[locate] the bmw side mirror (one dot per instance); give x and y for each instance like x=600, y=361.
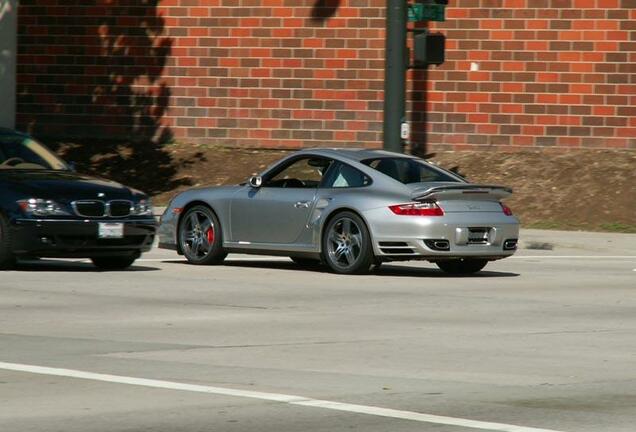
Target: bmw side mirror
x=256, y=181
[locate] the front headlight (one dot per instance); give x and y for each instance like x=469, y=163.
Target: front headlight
x=41, y=207
x=143, y=208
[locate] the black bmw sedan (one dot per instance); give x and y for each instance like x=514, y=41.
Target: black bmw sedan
x=48, y=210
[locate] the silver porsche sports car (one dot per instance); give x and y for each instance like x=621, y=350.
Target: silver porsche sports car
x=348, y=208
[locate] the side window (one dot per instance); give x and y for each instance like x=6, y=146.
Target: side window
x=302, y=173
x=345, y=176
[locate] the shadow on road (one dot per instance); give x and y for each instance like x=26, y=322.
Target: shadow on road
x=71, y=266
x=386, y=270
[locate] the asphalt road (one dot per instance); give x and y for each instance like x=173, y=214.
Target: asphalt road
x=544, y=340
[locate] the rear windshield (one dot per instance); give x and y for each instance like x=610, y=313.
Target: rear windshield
x=407, y=170
x=18, y=152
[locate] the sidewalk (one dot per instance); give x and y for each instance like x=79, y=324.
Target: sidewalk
x=564, y=242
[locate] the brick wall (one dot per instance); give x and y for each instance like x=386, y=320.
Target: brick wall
x=293, y=73
x=534, y=73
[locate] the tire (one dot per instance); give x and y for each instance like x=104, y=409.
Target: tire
x=306, y=262
x=201, y=237
x=114, y=262
x=462, y=266
x=7, y=259
x=346, y=244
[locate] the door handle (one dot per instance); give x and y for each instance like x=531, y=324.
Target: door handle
x=302, y=204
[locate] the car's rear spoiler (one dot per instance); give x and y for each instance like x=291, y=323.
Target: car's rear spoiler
x=463, y=191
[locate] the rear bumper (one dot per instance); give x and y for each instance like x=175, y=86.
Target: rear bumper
x=79, y=238
x=414, y=237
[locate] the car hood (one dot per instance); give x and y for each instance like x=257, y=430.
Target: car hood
x=62, y=185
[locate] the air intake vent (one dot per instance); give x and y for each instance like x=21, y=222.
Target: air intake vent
x=396, y=248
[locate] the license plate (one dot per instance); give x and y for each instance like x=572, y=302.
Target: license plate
x=478, y=235
x=111, y=230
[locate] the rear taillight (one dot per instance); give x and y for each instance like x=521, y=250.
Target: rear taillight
x=507, y=211
x=418, y=209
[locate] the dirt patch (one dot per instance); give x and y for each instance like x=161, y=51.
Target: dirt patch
x=583, y=189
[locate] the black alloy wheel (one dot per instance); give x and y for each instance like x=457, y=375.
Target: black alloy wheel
x=201, y=237
x=346, y=244
x=462, y=266
x=7, y=259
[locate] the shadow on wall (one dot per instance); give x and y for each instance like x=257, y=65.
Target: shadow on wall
x=419, y=114
x=324, y=9
x=109, y=97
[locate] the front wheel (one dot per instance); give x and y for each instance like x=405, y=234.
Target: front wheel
x=114, y=262
x=200, y=237
x=346, y=244
x=462, y=266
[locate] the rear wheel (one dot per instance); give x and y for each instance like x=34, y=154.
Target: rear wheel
x=200, y=237
x=7, y=259
x=115, y=262
x=462, y=265
x=346, y=244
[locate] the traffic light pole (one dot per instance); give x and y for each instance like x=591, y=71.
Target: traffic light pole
x=395, y=75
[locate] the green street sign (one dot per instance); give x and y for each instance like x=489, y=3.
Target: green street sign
x=427, y=12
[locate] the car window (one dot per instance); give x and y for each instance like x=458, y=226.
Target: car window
x=17, y=152
x=407, y=170
x=345, y=176
x=302, y=173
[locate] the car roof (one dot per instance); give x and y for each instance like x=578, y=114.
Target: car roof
x=355, y=154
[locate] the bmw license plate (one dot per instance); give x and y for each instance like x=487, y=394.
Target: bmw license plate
x=111, y=230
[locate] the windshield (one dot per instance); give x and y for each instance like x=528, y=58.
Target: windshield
x=17, y=152
x=407, y=170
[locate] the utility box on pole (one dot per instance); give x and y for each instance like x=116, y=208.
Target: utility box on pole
x=8, y=51
x=429, y=49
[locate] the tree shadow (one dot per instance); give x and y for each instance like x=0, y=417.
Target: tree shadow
x=101, y=103
x=324, y=9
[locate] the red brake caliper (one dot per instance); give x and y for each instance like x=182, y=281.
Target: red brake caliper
x=210, y=235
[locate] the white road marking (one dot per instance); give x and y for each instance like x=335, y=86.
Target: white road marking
x=274, y=397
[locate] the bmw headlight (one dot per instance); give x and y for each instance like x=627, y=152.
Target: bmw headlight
x=143, y=208
x=41, y=207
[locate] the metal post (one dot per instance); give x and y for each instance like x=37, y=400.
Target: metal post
x=395, y=74
x=8, y=37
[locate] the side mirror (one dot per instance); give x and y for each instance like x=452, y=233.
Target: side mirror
x=72, y=166
x=256, y=181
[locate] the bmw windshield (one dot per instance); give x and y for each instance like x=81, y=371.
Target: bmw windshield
x=20, y=152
